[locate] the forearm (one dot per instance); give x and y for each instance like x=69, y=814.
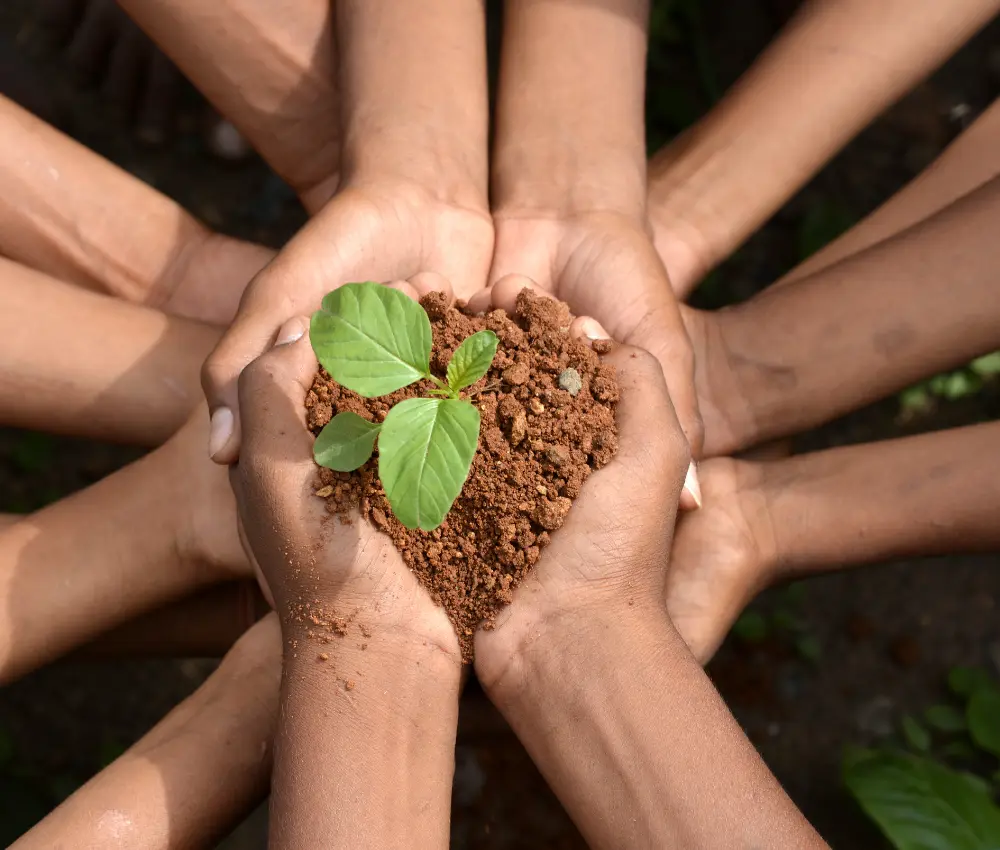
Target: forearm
x=966, y=164
x=74, y=215
x=365, y=746
x=395, y=60
x=833, y=69
x=907, y=308
x=635, y=758
x=190, y=780
x=925, y=495
x=81, y=363
x=205, y=625
x=569, y=116
x=65, y=579
x=269, y=67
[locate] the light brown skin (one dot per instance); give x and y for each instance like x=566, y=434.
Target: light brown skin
x=64, y=579
x=764, y=523
x=833, y=68
x=68, y=212
x=194, y=776
x=364, y=751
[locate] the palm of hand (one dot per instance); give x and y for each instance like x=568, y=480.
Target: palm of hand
x=719, y=558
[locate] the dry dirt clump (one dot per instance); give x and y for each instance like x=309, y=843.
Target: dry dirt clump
x=548, y=419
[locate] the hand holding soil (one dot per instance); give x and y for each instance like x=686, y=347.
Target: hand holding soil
x=330, y=579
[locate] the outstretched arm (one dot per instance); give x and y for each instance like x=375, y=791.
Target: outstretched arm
x=834, y=68
x=194, y=776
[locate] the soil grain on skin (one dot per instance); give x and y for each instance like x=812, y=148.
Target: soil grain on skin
x=538, y=443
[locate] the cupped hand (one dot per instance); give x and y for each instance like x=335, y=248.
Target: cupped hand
x=604, y=265
x=381, y=231
x=722, y=556
x=611, y=554
x=324, y=575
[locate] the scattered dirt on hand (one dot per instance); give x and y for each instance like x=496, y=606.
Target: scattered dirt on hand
x=538, y=443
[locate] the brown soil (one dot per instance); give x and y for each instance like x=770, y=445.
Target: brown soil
x=548, y=419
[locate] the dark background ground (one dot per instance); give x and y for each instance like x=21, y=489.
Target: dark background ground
x=868, y=646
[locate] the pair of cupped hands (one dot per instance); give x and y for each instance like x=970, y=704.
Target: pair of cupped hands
x=614, y=549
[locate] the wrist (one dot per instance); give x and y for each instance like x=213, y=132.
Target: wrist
x=538, y=179
x=539, y=637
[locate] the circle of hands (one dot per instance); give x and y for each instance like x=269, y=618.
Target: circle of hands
x=145, y=303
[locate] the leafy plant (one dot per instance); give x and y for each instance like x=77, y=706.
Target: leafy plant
x=374, y=341
x=950, y=386
x=918, y=800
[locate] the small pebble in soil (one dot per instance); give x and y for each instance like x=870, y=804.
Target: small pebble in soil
x=528, y=468
x=569, y=380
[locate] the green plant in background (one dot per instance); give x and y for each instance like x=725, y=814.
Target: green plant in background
x=374, y=341
x=950, y=386
x=918, y=798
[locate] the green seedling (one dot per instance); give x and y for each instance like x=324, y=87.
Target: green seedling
x=374, y=341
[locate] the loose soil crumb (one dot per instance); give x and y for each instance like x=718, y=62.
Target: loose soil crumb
x=538, y=443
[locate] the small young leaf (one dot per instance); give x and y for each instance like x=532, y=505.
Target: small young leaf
x=751, y=627
x=345, y=442
x=371, y=339
x=425, y=452
x=922, y=805
x=945, y=718
x=915, y=734
x=983, y=715
x=809, y=647
x=987, y=365
x=472, y=360
x=965, y=681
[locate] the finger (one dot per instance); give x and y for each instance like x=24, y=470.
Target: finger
x=650, y=440
x=272, y=392
x=427, y=282
x=505, y=291
x=661, y=332
x=585, y=327
x=405, y=287
x=481, y=302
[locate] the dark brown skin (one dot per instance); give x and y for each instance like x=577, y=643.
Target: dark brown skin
x=364, y=752
x=634, y=759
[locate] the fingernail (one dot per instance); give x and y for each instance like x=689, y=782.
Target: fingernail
x=291, y=331
x=592, y=329
x=691, y=484
x=221, y=430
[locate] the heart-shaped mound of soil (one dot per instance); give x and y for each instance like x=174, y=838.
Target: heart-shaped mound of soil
x=547, y=407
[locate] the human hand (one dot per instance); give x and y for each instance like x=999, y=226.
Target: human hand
x=204, y=523
x=580, y=284
x=609, y=557
x=723, y=555
x=319, y=571
x=382, y=230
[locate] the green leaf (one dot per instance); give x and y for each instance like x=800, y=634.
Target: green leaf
x=986, y=366
x=965, y=681
x=345, y=442
x=945, y=718
x=751, y=627
x=425, y=452
x=983, y=716
x=472, y=360
x=915, y=734
x=809, y=647
x=915, y=399
x=922, y=805
x=371, y=339
x=961, y=384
